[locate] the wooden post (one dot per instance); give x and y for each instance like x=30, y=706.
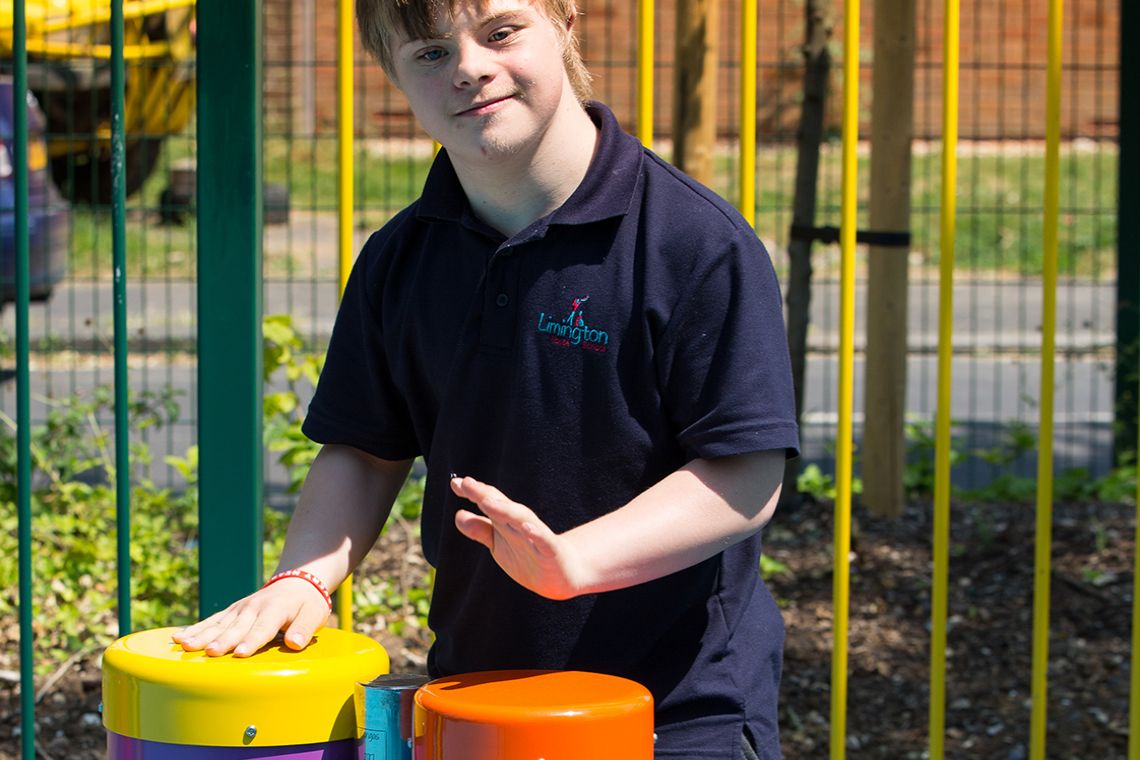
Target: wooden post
x=694, y=88
x=892, y=127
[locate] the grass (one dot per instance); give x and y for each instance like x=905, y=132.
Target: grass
x=999, y=223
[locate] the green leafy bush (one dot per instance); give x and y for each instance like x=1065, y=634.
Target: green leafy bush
x=74, y=549
x=1016, y=441
x=400, y=597
x=74, y=541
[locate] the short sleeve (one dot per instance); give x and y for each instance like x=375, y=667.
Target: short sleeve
x=357, y=402
x=723, y=358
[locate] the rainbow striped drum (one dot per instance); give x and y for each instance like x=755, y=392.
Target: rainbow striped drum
x=533, y=715
x=161, y=703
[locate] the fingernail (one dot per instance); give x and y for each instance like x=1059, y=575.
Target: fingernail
x=297, y=639
x=241, y=651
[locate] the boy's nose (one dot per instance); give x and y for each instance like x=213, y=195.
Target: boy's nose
x=473, y=64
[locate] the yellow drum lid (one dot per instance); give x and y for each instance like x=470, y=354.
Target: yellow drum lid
x=153, y=690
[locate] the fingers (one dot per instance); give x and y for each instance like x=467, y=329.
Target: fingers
x=252, y=629
x=198, y=636
x=475, y=527
x=251, y=623
x=523, y=545
x=542, y=538
x=502, y=514
x=309, y=620
x=494, y=504
x=191, y=636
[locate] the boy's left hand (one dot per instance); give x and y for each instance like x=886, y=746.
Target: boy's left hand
x=523, y=545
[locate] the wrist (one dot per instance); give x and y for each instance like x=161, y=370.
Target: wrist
x=303, y=575
x=594, y=564
x=580, y=570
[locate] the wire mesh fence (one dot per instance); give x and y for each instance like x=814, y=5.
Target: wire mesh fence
x=69, y=76
x=999, y=221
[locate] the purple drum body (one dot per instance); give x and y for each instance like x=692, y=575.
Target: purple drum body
x=126, y=748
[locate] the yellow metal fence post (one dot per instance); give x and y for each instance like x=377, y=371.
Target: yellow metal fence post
x=345, y=199
x=1044, y=529
x=940, y=582
x=747, y=204
x=843, y=442
x=645, y=34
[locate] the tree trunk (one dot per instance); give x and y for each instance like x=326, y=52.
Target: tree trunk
x=817, y=67
x=694, y=89
x=892, y=126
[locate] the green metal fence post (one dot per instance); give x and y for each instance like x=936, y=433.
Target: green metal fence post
x=229, y=300
x=23, y=397
x=1128, y=237
x=119, y=266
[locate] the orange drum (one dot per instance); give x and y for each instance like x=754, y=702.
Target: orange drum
x=533, y=715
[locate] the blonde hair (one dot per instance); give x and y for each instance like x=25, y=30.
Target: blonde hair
x=382, y=21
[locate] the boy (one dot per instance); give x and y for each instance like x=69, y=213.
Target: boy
x=587, y=349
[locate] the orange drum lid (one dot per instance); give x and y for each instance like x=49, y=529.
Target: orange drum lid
x=524, y=696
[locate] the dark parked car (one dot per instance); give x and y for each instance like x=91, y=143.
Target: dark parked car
x=49, y=216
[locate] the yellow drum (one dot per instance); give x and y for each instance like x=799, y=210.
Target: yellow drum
x=162, y=703
x=528, y=715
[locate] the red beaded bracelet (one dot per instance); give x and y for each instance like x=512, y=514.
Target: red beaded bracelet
x=304, y=575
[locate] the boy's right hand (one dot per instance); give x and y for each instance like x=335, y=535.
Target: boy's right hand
x=291, y=605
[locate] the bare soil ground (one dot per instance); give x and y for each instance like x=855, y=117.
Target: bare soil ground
x=990, y=638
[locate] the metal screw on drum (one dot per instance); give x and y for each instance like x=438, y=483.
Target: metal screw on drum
x=250, y=732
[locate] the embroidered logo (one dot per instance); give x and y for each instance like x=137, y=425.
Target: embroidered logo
x=572, y=330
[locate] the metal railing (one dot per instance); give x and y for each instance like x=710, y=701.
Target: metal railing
x=226, y=174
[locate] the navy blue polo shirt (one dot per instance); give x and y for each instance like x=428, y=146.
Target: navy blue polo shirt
x=573, y=365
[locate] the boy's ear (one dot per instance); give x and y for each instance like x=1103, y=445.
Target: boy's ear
x=567, y=30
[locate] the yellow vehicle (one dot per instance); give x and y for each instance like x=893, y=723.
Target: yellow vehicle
x=69, y=70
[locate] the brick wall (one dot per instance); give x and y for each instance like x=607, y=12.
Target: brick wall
x=1002, y=76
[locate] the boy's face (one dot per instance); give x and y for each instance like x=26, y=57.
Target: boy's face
x=490, y=80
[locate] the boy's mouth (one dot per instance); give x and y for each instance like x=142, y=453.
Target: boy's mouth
x=484, y=106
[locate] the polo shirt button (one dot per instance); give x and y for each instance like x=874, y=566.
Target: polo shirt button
x=502, y=300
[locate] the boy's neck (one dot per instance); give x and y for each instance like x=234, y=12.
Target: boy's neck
x=511, y=193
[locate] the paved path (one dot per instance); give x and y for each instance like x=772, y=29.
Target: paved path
x=1003, y=317
x=995, y=372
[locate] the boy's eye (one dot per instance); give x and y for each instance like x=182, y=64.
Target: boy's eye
x=500, y=34
x=432, y=55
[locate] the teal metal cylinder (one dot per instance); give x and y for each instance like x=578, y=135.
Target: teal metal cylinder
x=384, y=709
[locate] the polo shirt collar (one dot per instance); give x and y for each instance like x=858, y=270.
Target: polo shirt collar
x=606, y=191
